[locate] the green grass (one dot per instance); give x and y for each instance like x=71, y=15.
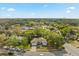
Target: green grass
x=42, y=49
x=25, y=47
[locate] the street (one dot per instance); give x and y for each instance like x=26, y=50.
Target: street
x=69, y=51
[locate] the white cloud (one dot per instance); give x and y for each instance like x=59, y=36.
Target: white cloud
x=11, y=9
x=3, y=8
x=8, y=15
x=45, y=5
x=68, y=11
x=33, y=14
x=7, y=9
x=71, y=8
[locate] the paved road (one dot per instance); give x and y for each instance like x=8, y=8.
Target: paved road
x=71, y=49
x=38, y=54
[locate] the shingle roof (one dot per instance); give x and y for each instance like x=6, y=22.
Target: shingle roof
x=35, y=41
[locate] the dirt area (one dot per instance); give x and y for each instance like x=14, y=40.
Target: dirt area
x=75, y=43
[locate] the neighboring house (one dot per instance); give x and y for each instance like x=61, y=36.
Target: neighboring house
x=56, y=30
x=44, y=27
x=70, y=36
x=19, y=37
x=27, y=28
x=2, y=27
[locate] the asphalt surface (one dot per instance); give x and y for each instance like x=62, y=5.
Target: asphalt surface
x=69, y=51
x=38, y=54
x=54, y=53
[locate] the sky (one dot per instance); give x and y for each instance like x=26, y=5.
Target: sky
x=39, y=10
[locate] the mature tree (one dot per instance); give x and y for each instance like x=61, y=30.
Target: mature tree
x=3, y=39
x=24, y=43
x=13, y=41
x=55, y=40
x=29, y=34
x=65, y=30
x=17, y=29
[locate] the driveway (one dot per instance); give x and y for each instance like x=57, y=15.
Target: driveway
x=71, y=49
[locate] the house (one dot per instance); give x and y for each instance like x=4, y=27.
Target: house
x=38, y=42
x=71, y=35
x=24, y=28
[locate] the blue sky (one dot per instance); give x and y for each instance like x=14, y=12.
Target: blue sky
x=39, y=10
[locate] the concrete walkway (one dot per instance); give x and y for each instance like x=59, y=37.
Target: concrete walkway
x=33, y=48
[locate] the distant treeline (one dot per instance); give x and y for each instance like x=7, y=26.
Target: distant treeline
x=74, y=22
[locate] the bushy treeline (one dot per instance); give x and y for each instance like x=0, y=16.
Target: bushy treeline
x=55, y=31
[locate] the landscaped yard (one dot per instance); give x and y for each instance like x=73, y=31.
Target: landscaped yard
x=42, y=49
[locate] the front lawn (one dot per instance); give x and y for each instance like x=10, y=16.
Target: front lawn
x=42, y=49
